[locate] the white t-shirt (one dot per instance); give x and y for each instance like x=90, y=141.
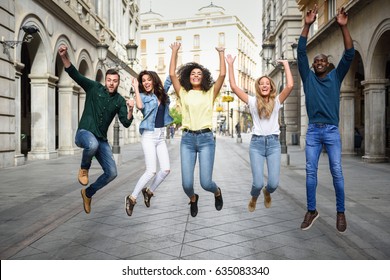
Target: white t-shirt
x=264, y=126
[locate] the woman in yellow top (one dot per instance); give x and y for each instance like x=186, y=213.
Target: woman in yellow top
x=197, y=91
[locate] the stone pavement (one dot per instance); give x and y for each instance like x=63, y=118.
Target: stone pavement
x=42, y=218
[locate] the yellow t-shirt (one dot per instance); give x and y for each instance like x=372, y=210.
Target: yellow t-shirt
x=197, y=108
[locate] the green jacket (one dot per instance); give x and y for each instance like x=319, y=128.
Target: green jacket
x=100, y=108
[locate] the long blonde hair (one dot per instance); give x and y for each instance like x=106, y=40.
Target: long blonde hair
x=265, y=108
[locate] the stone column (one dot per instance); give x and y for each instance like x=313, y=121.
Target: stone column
x=42, y=116
x=68, y=118
x=374, y=120
x=347, y=120
x=19, y=157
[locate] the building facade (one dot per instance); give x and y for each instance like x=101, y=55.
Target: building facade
x=365, y=92
x=210, y=27
x=281, y=28
x=40, y=106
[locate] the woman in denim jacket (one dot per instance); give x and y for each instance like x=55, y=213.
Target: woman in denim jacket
x=151, y=98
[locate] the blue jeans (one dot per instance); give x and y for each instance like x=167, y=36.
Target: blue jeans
x=329, y=136
x=261, y=149
x=101, y=150
x=203, y=145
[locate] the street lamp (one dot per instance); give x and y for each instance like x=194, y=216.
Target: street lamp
x=116, y=148
x=267, y=52
x=294, y=47
x=29, y=29
x=283, y=144
x=227, y=98
x=131, y=52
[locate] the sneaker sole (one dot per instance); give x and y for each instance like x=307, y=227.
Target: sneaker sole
x=83, y=184
x=306, y=228
x=342, y=231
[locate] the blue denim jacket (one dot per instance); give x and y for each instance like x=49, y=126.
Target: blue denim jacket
x=149, y=110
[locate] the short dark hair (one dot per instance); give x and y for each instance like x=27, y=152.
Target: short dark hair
x=112, y=71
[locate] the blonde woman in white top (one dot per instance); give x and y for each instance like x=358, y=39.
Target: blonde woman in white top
x=264, y=145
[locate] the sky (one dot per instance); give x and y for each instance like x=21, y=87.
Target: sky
x=248, y=11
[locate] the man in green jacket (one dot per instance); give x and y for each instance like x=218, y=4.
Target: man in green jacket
x=101, y=105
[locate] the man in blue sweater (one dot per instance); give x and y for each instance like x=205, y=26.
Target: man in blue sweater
x=322, y=96
x=102, y=103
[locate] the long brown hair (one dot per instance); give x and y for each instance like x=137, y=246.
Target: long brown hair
x=265, y=108
x=157, y=85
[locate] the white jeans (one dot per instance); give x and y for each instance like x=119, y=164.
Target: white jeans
x=155, y=147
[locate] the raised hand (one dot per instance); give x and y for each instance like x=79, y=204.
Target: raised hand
x=62, y=50
x=135, y=83
x=130, y=103
x=175, y=46
x=282, y=61
x=311, y=15
x=230, y=59
x=342, y=17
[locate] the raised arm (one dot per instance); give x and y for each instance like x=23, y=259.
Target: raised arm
x=167, y=84
x=310, y=18
x=222, y=71
x=63, y=53
x=232, y=81
x=289, y=81
x=138, y=100
x=172, y=67
x=342, y=20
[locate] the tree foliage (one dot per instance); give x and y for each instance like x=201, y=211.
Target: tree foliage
x=176, y=115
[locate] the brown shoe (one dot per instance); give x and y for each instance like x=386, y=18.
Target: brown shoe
x=309, y=220
x=252, y=204
x=86, y=201
x=341, y=222
x=147, y=196
x=83, y=176
x=129, y=205
x=267, y=198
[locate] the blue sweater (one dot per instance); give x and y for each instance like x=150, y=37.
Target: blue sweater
x=322, y=95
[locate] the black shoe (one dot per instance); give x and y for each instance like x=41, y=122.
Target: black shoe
x=194, y=206
x=218, y=200
x=147, y=196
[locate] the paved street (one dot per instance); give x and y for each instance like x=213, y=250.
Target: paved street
x=41, y=213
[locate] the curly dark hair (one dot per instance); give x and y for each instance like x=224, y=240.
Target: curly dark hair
x=184, y=73
x=157, y=85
